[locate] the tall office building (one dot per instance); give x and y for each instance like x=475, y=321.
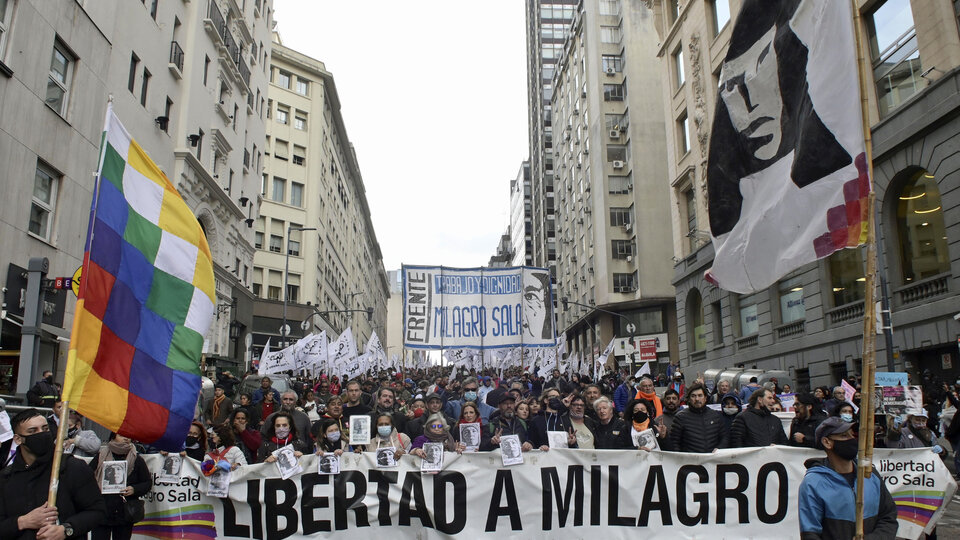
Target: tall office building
x=521, y=218
x=611, y=191
x=312, y=181
x=811, y=322
x=548, y=22
x=188, y=81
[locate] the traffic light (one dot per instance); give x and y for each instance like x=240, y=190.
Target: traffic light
x=564, y=302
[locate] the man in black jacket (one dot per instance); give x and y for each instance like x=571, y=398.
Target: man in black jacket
x=44, y=393
x=805, y=423
x=697, y=428
x=24, y=511
x=610, y=433
x=554, y=418
x=506, y=423
x=757, y=426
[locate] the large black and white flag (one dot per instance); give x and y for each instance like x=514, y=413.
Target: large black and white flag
x=787, y=173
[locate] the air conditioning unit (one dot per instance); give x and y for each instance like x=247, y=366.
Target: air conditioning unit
x=587, y=211
x=611, y=72
x=617, y=164
x=628, y=227
x=629, y=258
x=590, y=269
x=583, y=278
x=583, y=94
x=614, y=133
x=586, y=151
x=580, y=221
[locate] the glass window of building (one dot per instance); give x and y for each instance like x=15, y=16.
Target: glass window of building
x=6, y=16
x=616, y=152
x=282, y=79
x=279, y=189
x=720, y=11
x=696, y=329
x=895, y=54
x=283, y=114
x=749, y=325
x=610, y=34
x=612, y=63
x=791, y=300
x=623, y=283
x=846, y=276
x=300, y=121
x=647, y=320
x=276, y=243
x=614, y=92
x=258, y=240
x=673, y=10
x=45, y=184
x=620, y=185
x=296, y=194
x=609, y=7
x=683, y=134
x=303, y=86
x=621, y=249
x=60, y=78
x=620, y=216
x=690, y=207
x=679, y=77
x=921, y=230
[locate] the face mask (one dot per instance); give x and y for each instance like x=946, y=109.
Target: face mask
x=192, y=441
x=417, y=413
x=555, y=404
x=49, y=379
x=846, y=449
x=640, y=417
x=283, y=432
x=847, y=417
x=731, y=410
x=333, y=436
x=40, y=445
x=72, y=432
x=384, y=431
x=470, y=395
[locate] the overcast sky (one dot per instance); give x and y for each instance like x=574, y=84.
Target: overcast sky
x=433, y=95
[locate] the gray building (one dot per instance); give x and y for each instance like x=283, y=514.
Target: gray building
x=811, y=321
x=521, y=218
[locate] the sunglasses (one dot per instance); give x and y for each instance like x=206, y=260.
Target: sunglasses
x=436, y=426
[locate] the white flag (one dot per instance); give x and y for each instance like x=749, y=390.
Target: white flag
x=602, y=360
x=266, y=351
x=644, y=369
x=314, y=351
x=344, y=348
x=278, y=362
x=374, y=347
x=787, y=175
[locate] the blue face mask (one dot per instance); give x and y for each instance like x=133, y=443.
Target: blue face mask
x=847, y=417
x=470, y=395
x=384, y=431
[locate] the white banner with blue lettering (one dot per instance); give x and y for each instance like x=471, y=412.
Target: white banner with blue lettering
x=478, y=308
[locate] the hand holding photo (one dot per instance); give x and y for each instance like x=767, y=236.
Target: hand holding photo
x=172, y=468
x=646, y=439
x=511, y=450
x=386, y=458
x=470, y=436
x=287, y=462
x=219, y=485
x=359, y=429
x=329, y=464
x=433, y=457
x=114, y=477
x=557, y=439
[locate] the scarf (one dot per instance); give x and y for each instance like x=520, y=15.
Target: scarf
x=282, y=442
x=443, y=437
x=641, y=426
x=216, y=406
x=652, y=397
x=107, y=453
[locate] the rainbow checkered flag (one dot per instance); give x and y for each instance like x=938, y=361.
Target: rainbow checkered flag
x=146, y=300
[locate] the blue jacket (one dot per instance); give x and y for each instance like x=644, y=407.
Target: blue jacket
x=621, y=396
x=828, y=505
x=453, y=408
x=257, y=396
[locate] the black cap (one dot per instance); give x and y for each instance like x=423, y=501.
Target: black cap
x=507, y=396
x=830, y=426
x=432, y=395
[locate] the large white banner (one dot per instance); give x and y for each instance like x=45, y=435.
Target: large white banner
x=745, y=493
x=479, y=308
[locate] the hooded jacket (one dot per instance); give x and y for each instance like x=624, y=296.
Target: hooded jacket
x=697, y=430
x=728, y=418
x=756, y=427
x=827, y=504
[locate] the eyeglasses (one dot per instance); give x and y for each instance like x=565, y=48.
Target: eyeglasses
x=436, y=426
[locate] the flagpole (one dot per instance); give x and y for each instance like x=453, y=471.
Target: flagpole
x=868, y=362
x=58, y=454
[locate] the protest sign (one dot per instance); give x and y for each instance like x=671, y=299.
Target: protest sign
x=890, y=378
x=114, y=478
x=742, y=493
x=480, y=308
x=897, y=400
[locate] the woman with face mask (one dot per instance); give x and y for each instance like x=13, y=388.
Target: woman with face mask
x=80, y=442
x=328, y=437
x=282, y=432
x=249, y=439
x=138, y=481
x=196, y=444
x=637, y=415
x=387, y=436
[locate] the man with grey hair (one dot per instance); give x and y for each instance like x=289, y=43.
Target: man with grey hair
x=611, y=433
x=470, y=392
x=839, y=398
x=288, y=403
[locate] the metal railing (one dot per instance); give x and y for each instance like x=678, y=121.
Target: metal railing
x=846, y=313
x=214, y=14
x=176, y=55
x=244, y=72
x=795, y=328
x=748, y=341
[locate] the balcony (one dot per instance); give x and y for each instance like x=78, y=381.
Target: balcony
x=795, y=328
x=214, y=23
x=176, y=60
x=244, y=74
x=748, y=341
x=925, y=289
x=846, y=313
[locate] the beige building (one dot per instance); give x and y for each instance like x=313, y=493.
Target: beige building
x=810, y=323
x=188, y=80
x=312, y=180
x=611, y=190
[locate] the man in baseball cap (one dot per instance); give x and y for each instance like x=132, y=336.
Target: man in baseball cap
x=828, y=491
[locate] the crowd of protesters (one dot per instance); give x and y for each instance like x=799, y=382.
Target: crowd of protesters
x=235, y=429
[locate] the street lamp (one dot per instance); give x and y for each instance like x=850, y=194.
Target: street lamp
x=630, y=327
x=316, y=311
x=286, y=275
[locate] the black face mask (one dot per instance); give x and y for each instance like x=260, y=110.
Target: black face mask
x=555, y=404
x=846, y=449
x=640, y=417
x=40, y=445
x=49, y=379
x=191, y=441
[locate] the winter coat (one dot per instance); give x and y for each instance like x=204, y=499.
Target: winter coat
x=828, y=505
x=512, y=427
x=453, y=408
x=540, y=425
x=139, y=479
x=267, y=447
x=697, y=430
x=22, y=489
x=621, y=396
x=756, y=427
x=614, y=435
x=807, y=426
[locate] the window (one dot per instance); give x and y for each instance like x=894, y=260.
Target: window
x=300, y=121
x=612, y=62
x=144, y=86
x=683, y=134
x=616, y=152
x=293, y=290
x=920, y=229
x=273, y=292
x=616, y=122
x=206, y=70
x=696, y=329
x=168, y=113
x=614, y=92
x=276, y=243
x=620, y=185
x=609, y=7
x=153, y=8
x=45, y=184
x=895, y=54
x=296, y=194
x=623, y=283
x=610, y=34
x=6, y=16
x=791, y=300
x=269, y=109
x=58, y=82
x=281, y=149
x=621, y=249
x=283, y=114
x=283, y=78
x=258, y=240
x=678, y=66
x=299, y=155
x=620, y=216
x=690, y=200
x=132, y=75
x=749, y=324
x=717, y=316
x=720, y=9
x=303, y=86
x=293, y=246
x=846, y=276
x=257, y=281
x=279, y=189
x=673, y=11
